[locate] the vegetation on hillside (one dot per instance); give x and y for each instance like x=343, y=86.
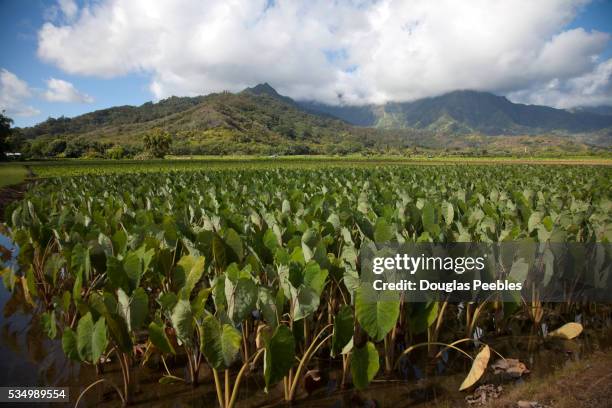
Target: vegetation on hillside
x=157, y=143
x=259, y=121
x=471, y=112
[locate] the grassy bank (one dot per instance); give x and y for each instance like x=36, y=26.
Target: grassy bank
x=11, y=174
x=72, y=167
x=583, y=383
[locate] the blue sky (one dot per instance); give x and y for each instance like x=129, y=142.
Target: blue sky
x=372, y=52
x=596, y=16
x=19, y=25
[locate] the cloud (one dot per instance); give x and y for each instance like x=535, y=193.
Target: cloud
x=65, y=10
x=13, y=93
x=590, y=89
x=337, y=52
x=69, y=8
x=63, y=91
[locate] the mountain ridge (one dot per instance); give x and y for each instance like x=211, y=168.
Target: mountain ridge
x=259, y=119
x=467, y=111
x=461, y=111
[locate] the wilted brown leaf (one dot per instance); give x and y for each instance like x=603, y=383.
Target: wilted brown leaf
x=567, y=331
x=478, y=368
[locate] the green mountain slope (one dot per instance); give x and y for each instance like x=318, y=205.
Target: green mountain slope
x=218, y=123
x=468, y=112
x=259, y=120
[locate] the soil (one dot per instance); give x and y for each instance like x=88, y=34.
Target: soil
x=584, y=383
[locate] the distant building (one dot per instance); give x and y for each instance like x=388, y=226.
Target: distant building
x=15, y=155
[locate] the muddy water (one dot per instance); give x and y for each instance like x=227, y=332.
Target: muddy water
x=29, y=358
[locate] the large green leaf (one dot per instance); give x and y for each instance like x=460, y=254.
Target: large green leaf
x=315, y=277
x=116, y=274
x=192, y=268
x=89, y=342
x=383, y=231
x=218, y=251
x=198, y=303
x=139, y=308
x=182, y=321
x=305, y=302
x=76, y=289
x=241, y=298
x=49, y=324
x=364, y=365
x=120, y=241
x=135, y=265
x=53, y=265
x=69, y=344
x=423, y=315
x=270, y=240
x=118, y=330
x=99, y=340
x=233, y=241
x=344, y=325
x=132, y=267
x=135, y=308
x=268, y=305
x=448, y=212
x=428, y=218
x=80, y=261
x=377, y=316
x=279, y=355
x=220, y=343
x=84, y=335
x=519, y=270
x=158, y=337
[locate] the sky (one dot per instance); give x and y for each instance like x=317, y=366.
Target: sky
x=68, y=57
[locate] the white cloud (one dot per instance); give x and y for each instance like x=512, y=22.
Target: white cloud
x=62, y=11
x=366, y=51
x=59, y=90
x=590, y=89
x=69, y=8
x=13, y=93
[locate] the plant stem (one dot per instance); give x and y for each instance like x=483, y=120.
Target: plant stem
x=239, y=378
x=311, y=350
x=388, y=366
x=227, y=387
x=218, y=388
x=90, y=386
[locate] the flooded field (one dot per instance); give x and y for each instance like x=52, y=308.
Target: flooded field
x=215, y=288
x=30, y=358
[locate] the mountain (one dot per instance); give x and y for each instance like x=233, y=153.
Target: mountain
x=600, y=110
x=259, y=120
x=256, y=120
x=467, y=112
x=266, y=90
x=358, y=115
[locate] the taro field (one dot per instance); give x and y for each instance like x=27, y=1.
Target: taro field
x=244, y=282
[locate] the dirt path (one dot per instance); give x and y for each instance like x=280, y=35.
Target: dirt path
x=585, y=383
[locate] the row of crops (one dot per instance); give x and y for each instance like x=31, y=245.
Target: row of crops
x=256, y=272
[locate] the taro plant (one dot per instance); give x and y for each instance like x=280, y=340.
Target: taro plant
x=183, y=314
x=114, y=261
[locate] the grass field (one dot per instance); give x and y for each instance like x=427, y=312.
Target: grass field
x=77, y=167
x=11, y=174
